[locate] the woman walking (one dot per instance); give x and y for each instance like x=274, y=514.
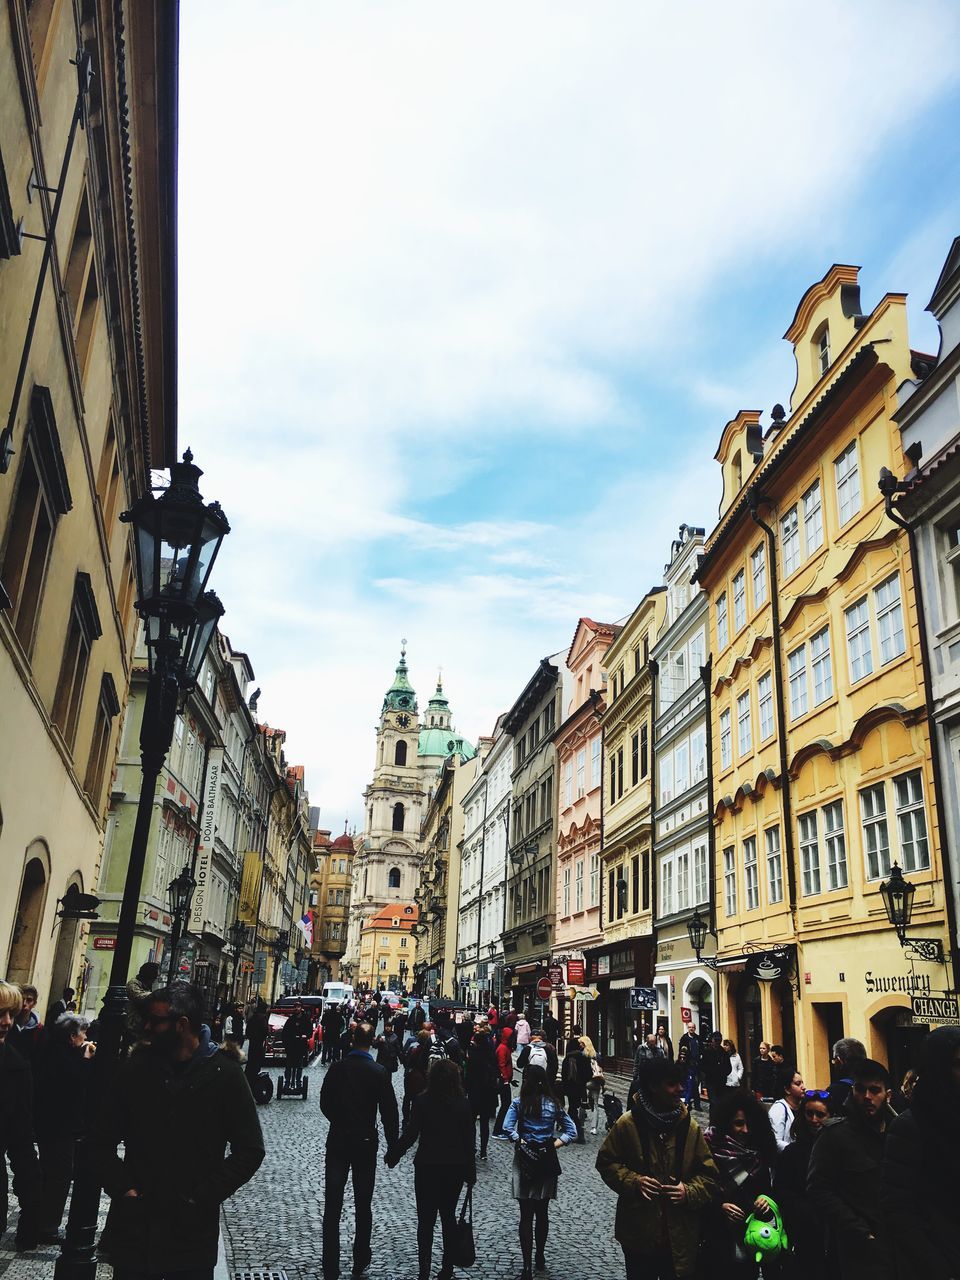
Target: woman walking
x=534, y=1119
x=482, y=1079
x=504, y=1055
x=441, y=1126
x=805, y=1226
x=735, y=1076
x=575, y=1075
x=745, y=1152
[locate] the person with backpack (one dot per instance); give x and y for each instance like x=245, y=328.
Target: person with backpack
x=387, y=1046
x=537, y=1053
x=655, y=1157
x=575, y=1075
x=532, y=1124
x=482, y=1077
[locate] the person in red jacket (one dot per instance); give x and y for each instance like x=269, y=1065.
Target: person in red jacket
x=505, y=1068
x=493, y=1017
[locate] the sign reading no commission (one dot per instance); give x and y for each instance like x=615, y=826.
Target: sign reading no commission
x=944, y=1010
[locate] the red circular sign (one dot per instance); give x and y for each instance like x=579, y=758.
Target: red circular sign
x=544, y=989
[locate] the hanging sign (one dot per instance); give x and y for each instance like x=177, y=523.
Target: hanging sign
x=644, y=998
x=767, y=966
x=575, y=973
x=555, y=974
x=208, y=830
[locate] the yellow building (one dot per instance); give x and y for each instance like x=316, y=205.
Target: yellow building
x=388, y=947
x=330, y=901
x=626, y=957
x=88, y=405
x=820, y=740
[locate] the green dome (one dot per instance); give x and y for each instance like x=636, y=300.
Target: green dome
x=443, y=743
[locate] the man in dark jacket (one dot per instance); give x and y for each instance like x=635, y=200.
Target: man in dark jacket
x=551, y=1028
x=714, y=1069
x=353, y=1091
x=846, y=1054
x=843, y=1181
x=295, y=1035
x=332, y=1024
x=388, y=1049
x=177, y=1103
x=539, y=1054
x=16, y=1125
x=28, y=1029
x=258, y=1026
x=418, y=1016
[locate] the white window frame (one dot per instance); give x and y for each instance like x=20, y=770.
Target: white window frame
x=578, y=886
x=726, y=739
x=876, y=831
x=751, y=875
x=889, y=614
x=667, y=903
x=744, y=724
x=821, y=667
x=758, y=574
x=683, y=879
x=594, y=879
x=836, y=845
x=797, y=679
x=808, y=827
x=566, y=890
x=730, y=882
x=596, y=764
x=701, y=878
x=856, y=619
x=739, y=601
x=698, y=754
x=581, y=771
x=568, y=784
x=790, y=541
x=911, y=814
x=723, y=637
x=774, y=853
x=765, y=705
x=666, y=777
x=846, y=471
x=812, y=503
x=681, y=767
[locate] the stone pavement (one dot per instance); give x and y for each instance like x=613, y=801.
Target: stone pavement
x=39, y=1264
x=274, y=1223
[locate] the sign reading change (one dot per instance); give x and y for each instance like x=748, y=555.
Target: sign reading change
x=943, y=1010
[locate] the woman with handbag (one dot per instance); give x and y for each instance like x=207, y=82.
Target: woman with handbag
x=744, y=1150
x=441, y=1124
x=531, y=1125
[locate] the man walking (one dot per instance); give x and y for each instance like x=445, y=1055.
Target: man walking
x=177, y=1103
x=332, y=1024
x=714, y=1068
x=846, y=1054
x=258, y=1026
x=688, y=1048
x=657, y=1161
x=843, y=1182
x=353, y=1091
x=16, y=1125
x=537, y=1053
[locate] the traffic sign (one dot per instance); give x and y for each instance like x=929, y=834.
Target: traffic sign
x=544, y=989
x=644, y=998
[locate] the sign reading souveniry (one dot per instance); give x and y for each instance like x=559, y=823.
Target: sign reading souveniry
x=208, y=830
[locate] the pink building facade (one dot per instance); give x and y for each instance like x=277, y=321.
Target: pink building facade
x=579, y=747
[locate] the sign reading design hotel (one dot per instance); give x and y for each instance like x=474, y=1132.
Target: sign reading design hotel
x=208, y=830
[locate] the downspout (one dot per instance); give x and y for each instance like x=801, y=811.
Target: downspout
x=706, y=676
x=483, y=846
x=889, y=485
x=754, y=500
x=654, y=669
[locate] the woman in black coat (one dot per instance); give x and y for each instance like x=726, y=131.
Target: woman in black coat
x=744, y=1151
x=441, y=1124
x=921, y=1167
x=482, y=1079
x=61, y=1073
x=804, y=1224
x=575, y=1075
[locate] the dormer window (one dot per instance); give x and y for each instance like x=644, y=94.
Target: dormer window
x=737, y=463
x=822, y=343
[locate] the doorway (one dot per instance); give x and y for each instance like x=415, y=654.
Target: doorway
x=902, y=1039
x=698, y=996
x=827, y=1030
x=749, y=1021
x=63, y=975
x=26, y=922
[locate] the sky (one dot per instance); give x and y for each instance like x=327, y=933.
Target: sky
x=468, y=293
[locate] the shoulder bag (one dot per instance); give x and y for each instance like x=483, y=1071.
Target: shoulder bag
x=464, y=1249
x=537, y=1160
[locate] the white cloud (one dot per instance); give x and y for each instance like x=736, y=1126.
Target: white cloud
x=417, y=237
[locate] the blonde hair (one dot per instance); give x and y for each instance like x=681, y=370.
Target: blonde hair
x=11, y=997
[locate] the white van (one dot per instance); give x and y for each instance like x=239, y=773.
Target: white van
x=335, y=993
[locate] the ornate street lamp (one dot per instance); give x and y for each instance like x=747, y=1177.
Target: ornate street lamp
x=697, y=930
x=279, y=946
x=898, y=895
x=177, y=537
x=238, y=933
x=180, y=899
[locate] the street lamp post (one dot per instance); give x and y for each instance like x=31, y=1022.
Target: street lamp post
x=177, y=537
x=898, y=894
x=180, y=898
x=238, y=933
x=280, y=946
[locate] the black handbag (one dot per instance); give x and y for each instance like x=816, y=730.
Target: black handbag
x=536, y=1160
x=464, y=1249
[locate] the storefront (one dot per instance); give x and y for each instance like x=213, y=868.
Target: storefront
x=760, y=1001
x=686, y=988
x=614, y=970
x=522, y=983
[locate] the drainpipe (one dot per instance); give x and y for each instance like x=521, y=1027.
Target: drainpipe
x=706, y=675
x=654, y=669
x=483, y=846
x=756, y=499
x=889, y=486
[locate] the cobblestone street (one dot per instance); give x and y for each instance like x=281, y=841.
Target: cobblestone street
x=275, y=1221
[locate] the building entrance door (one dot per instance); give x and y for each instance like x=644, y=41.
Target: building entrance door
x=749, y=1021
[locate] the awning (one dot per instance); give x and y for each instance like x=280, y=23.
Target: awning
x=622, y=984
x=526, y=968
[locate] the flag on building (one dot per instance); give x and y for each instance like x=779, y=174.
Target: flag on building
x=305, y=925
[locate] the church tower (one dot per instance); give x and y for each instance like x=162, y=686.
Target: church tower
x=387, y=868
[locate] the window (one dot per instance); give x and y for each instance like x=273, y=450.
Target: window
x=790, y=542
x=338, y=899
x=822, y=342
x=681, y=762
x=108, y=707
x=744, y=733
x=578, y=887
x=774, y=865
x=722, y=621
x=836, y=845
x=911, y=821
x=886, y=599
x=83, y=628
x=847, y=474
x=393, y=878
x=566, y=891
x=41, y=497
x=683, y=879
x=400, y=753
x=594, y=879
x=700, y=882
x=751, y=876
x=613, y=780
x=726, y=744
x=398, y=816
x=809, y=853
x=595, y=749
x=619, y=771
x=729, y=883
x=635, y=759
x=739, y=601
x=108, y=479
x=667, y=904
x=666, y=778
x=876, y=837
x=330, y=898
x=820, y=667
x=758, y=572
x=635, y=872
x=765, y=705
x=581, y=771
x=698, y=753
x=859, y=649
x=645, y=887
x=797, y=669
x=403, y=942
x=812, y=519
x=568, y=783
x=644, y=752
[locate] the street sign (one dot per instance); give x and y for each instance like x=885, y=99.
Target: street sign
x=944, y=1010
x=686, y=1015
x=104, y=944
x=544, y=989
x=644, y=998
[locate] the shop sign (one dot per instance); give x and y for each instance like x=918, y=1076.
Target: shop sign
x=644, y=998
x=767, y=966
x=686, y=1015
x=666, y=950
x=208, y=829
x=944, y=1010
x=582, y=993
x=906, y=984
x=555, y=974
x=104, y=944
x=603, y=966
x=575, y=974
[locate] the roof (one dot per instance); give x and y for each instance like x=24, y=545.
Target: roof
x=408, y=913
x=444, y=742
x=343, y=842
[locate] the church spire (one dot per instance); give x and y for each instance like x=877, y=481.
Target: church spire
x=401, y=695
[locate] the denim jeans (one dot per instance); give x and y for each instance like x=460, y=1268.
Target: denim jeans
x=359, y=1158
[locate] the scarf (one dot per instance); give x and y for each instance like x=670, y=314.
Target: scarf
x=659, y=1121
x=734, y=1160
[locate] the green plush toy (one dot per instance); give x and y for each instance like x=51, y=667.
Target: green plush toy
x=766, y=1237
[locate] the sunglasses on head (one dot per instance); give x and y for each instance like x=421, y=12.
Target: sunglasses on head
x=822, y=1094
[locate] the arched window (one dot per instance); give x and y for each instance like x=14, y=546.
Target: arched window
x=398, y=817
x=400, y=753
x=393, y=878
